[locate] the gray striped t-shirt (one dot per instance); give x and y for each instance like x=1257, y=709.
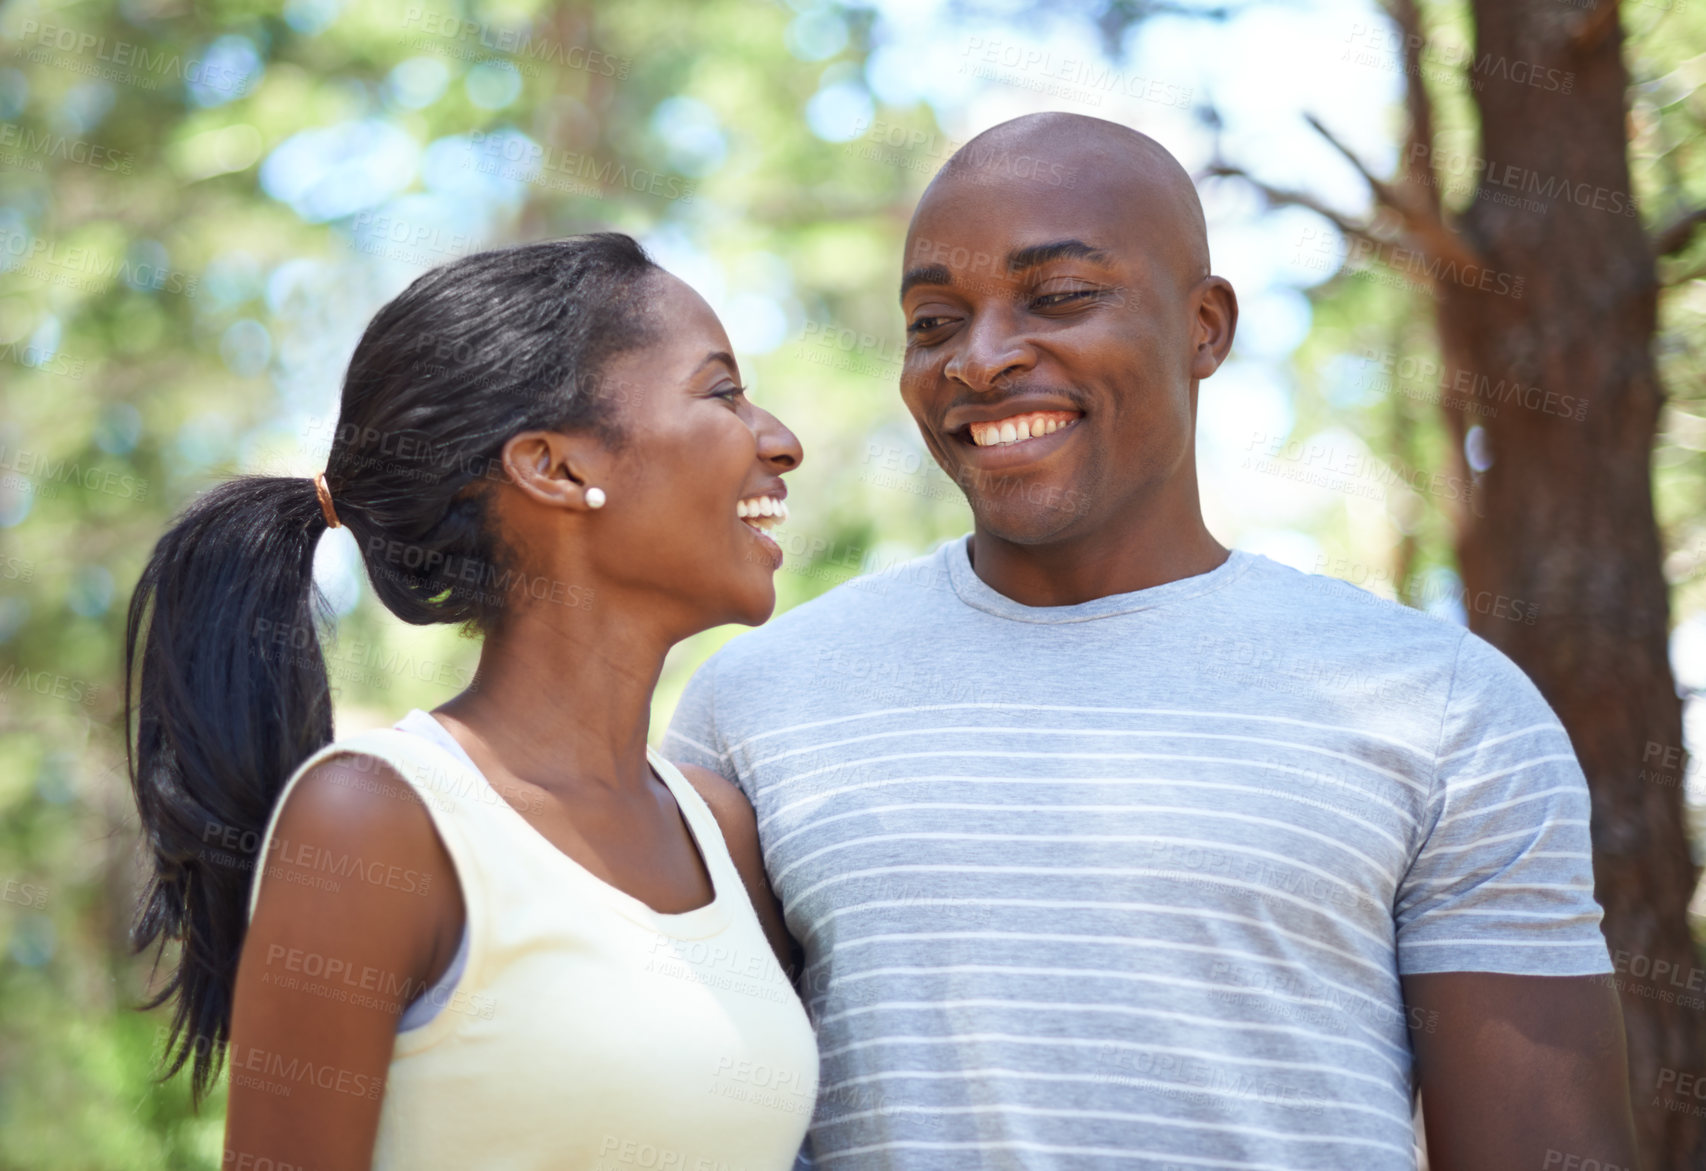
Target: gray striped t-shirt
x=1131, y=883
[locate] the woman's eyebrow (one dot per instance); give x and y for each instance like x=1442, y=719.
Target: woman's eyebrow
x=722, y=356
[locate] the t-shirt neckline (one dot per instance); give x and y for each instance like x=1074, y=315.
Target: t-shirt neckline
x=977, y=593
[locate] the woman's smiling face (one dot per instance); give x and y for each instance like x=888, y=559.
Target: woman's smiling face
x=696, y=477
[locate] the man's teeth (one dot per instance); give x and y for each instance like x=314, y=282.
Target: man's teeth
x=762, y=512
x=1019, y=428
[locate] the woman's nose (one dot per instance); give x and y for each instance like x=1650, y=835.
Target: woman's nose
x=777, y=446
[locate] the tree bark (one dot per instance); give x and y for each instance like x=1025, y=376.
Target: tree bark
x=1563, y=519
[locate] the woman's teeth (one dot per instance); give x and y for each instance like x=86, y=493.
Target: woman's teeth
x=762, y=512
x=1020, y=428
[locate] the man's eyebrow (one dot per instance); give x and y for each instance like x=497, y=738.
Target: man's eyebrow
x=929, y=274
x=1017, y=260
x=1022, y=258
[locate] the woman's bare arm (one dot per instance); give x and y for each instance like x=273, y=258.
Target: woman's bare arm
x=359, y=912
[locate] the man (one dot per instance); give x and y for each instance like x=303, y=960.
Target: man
x=1107, y=847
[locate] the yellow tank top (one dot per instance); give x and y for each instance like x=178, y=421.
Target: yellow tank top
x=587, y=1030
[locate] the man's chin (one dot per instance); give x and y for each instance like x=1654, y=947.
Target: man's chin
x=1036, y=517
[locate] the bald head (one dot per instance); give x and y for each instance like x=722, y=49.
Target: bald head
x=1130, y=173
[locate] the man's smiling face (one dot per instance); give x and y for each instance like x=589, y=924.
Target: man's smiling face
x=1068, y=315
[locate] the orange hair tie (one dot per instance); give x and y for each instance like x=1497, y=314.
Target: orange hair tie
x=325, y=495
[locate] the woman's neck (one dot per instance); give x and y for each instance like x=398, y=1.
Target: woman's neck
x=564, y=701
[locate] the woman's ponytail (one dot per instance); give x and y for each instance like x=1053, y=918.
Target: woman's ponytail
x=224, y=673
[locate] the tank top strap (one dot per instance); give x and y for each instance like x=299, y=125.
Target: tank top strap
x=701, y=821
x=443, y=783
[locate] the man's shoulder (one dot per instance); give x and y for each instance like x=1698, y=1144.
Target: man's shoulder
x=861, y=607
x=1316, y=602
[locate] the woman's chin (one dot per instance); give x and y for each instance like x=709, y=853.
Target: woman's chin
x=761, y=605
x=748, y=601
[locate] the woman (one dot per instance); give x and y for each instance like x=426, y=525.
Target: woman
x=505, y=934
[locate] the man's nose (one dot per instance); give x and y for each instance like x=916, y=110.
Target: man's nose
x=993, y=351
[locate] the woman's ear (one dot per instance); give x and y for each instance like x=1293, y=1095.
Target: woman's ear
x=554, y=469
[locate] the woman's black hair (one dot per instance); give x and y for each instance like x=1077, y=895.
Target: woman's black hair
x=223, y=668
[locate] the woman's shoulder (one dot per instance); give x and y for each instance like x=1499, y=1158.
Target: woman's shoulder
x=349, y=791
x=353, y=873
x=734, y=817
x=350, y=824
x=372, y=770
x=727, y=803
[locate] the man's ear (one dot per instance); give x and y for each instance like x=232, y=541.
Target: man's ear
x=554, y=469
x=1216, y=322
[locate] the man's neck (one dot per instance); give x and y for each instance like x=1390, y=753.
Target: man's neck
x=1084, y=567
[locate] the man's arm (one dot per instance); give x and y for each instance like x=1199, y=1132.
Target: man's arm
x=1517, y=1031
x=1520, y=1072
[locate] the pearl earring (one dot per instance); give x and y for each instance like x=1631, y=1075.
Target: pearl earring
x=595, y=497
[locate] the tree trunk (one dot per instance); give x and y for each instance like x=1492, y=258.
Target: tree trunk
x=1562, y=519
